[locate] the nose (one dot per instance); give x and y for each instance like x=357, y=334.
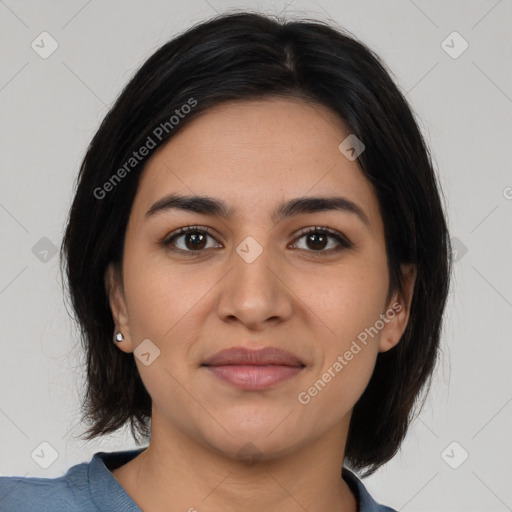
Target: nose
x=255, y=292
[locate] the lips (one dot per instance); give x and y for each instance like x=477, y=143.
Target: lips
x=261, y=357
x=253, y=369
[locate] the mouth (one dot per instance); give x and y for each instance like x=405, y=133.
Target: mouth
x=254, y=369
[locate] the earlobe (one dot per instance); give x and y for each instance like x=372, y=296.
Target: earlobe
x=398, y=310
x=117, y=302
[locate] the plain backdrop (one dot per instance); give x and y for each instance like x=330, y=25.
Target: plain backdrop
x=51, y=108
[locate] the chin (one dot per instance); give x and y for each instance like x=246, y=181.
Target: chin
x=251, y=450
x=266, y=439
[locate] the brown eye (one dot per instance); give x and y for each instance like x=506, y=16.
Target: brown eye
x=317, y=239
x=189, y=239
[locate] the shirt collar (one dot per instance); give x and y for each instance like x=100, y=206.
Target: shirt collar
x=365, y=503
x=106, y=492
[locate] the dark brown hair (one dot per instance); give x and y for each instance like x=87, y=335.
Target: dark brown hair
x=243, y=56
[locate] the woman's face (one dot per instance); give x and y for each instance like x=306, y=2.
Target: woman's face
x=256, y=279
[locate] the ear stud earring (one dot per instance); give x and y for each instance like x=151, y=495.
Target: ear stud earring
x=118, y=336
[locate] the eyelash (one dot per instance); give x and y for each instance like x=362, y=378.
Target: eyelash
x=323, y=230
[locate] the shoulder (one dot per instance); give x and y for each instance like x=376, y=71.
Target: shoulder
x=20, y=494
x=365, y=502
x=86, y=487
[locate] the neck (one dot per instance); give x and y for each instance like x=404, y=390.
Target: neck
x=176, y=472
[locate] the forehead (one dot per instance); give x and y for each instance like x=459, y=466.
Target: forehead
x=252, y=154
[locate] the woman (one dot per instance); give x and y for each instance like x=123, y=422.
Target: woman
x=258, y=259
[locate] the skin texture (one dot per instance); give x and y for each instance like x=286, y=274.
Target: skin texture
x=311, y=300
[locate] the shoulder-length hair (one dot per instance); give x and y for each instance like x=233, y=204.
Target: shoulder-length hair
x=243, y=56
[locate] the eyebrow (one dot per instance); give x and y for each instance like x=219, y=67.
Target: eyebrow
x=210, y=206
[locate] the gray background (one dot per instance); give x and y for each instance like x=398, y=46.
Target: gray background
x=50, y=109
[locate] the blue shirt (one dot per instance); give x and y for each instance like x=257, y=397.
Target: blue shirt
x=91, y=487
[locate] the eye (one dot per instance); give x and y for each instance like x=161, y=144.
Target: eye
x=193, y=238
x=318, y=238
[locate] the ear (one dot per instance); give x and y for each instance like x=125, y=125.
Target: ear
x=115, y=293
x=398, y=310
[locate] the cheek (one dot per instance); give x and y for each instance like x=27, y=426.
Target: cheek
x=348, y=300
x=347, y=353
x=339, y=385
x=350, y=306
x=159, y=294
x=163, y=306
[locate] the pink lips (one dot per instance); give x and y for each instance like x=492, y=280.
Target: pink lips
x=254, y=369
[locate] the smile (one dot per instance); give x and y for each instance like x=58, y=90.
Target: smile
x=254, y=369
